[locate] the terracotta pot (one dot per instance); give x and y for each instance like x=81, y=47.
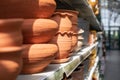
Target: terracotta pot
x=10, y=63
x=10, y=32
x=36, y=57
x=74, y=13
x=27, y=8
x=63, y=20
x=91, y=39
x=94, y=34
x=38, y=30
x=63, y=40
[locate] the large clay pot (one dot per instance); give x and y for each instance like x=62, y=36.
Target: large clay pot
x=10, y=62
x=63, y=20
x=27, y=8
x=63, y=40
x=36, y=57
x=38, y=30
x=10, y=32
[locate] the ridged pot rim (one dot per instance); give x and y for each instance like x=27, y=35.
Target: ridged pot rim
x=63, y=14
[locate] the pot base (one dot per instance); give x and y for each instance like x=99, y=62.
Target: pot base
x=57, y=61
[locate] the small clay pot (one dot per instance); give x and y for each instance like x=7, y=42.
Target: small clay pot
x=36, y=57
x=91, y=39
x=63, y=40
x=10, y=62
x=10, y=32
x=27, y=8
x=63, y=20
x=38, y=30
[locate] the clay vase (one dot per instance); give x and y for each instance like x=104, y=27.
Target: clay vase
x=63, y=20
x=27, y=8
x=10, y=62
x=63, y=40
x=38, y=30
x=36, y=57
x=10, y=32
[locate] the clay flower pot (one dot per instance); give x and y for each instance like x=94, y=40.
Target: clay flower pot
x=91, y=39
x=36, y=57
x=63, y=20
x=38, y=30
x=10, y=62
x=27, y=8
x=63, y=40
x=10, y=32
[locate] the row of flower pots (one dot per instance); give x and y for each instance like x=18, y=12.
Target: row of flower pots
x=20, y=39
x=24, y=55
x=27, y=46
x=33, y=35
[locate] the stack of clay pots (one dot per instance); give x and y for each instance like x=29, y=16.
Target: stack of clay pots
x=66, y=37
x=10, y=48
x=37, y=30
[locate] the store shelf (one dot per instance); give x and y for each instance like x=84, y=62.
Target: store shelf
x=89, y=77
x=56, y=71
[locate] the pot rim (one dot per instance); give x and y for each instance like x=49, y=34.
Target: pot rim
x=10, y=49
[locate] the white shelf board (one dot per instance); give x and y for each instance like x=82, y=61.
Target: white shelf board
x=56, y=71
